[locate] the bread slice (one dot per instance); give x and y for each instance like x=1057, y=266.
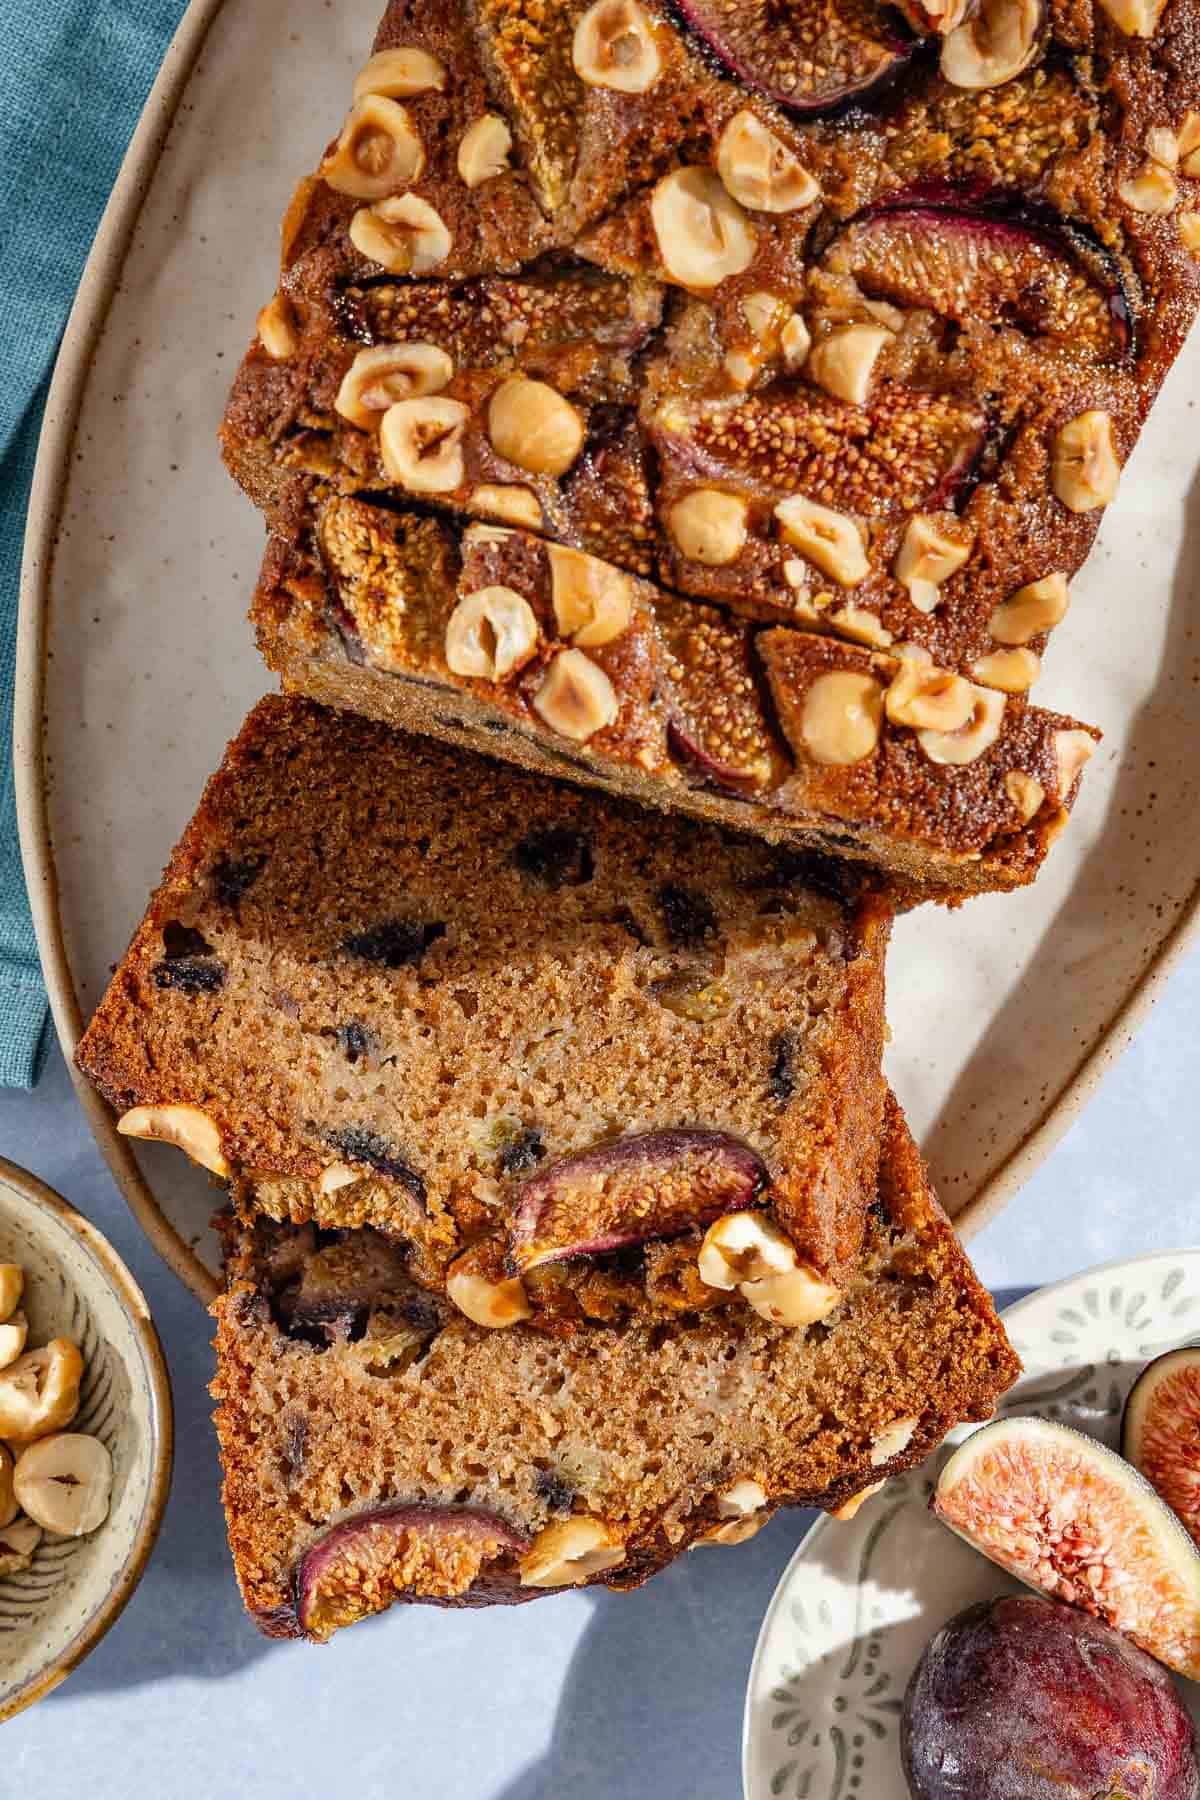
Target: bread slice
x=810, y=740
x=379, y=1447
x=488, y=1012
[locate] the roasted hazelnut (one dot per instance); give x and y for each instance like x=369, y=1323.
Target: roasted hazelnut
x=484, y=151
x=764, y=314
x=842, y=716
x=277, y=328
x=843, y=363
x=64, y=1483
x=530, y=424
x=1071, y=751
x=743, y=1512
x=404, y=235
x=1189, y=231
x=1013, y=671
x=928, y=699
x=1035, y=608
x=994, y=45
x=1187, y=143
x=378, y=152
x=928, y=555
x=795, y=342
x=1084, y=467
x=420, y=442
x=971, y=739
x=189, y=1129
x=831, y=540
x=850, y=1509
x=494, y=1304
x=860, y=624
x=614, y=47
x=1153, y=189
x=746, y=1252
x=12, y=1286
x=490, y=633
x=379, y=377
x=515, y=505
x=1136, y=18
x=593, y=601
x=39, y=1393
x=1026, y=793
x=708, y=526
x=703, y=234
x=576, y=698
x=398, y=74
x=570, y=1552
x=759, y=170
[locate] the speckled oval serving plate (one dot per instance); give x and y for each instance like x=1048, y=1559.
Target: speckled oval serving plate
x=136, y=662
x=53, y=1613
x=858, y=1602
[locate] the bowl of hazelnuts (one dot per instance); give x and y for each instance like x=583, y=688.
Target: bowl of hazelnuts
x=85, y=1437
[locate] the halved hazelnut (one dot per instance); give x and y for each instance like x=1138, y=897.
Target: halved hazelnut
x=709, y=526
x=530, y=424
x=894, y=1441
x=516, y=505
x=1071, y=750
x=420, y=442
x=703, y=234
x=1031, y=610
x=13, y=1336
x=993, y=46
x=614, y=47
x=978, y=734
x=861, y=625
x=64, y=1483
x=189, y=1129
x=379, y=377
x=484, y=150
x=759, y=170
x=17, y=1545
x=1153, y=189
x=593, y=602
x=763, y=313
x=8, y=1501
x=1162, y=146
x=1136, y=18
x=843, y=363
x=490, y=633
x=1084, y=467
x=1013, y=671
x=378, y=152
x=1025, y=791
x=747, y=1252
x=277, y=328
x=842, y=715
x=336, y=1176
x=831, y=540
x=1189, y=231
x=576, y=698
x=927, y=557
x=850, y=1508
x=494, y=1304
x=1188, y=144
x=795, y=342
x=12, y=1286
x=743, y=1509
x=570, y=1552
x=404, y=235
x=742, y=366
x=39, y=1393
x=928, y=699
x=398, y=74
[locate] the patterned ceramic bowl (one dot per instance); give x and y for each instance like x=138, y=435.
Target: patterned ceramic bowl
x=76, y=1286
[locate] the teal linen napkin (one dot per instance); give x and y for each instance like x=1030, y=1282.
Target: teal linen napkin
x=74, y=75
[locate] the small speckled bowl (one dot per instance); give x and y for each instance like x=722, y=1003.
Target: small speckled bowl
x=76, y=1286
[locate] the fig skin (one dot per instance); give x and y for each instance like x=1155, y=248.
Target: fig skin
x=1160, y=1432
x=1022, y=1698
x=875, y=46
x=630, y=1192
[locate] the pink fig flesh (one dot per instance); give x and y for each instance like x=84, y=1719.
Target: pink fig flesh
x=415, y=1550
x=1160, y=1433
x=653, y=1186
x=1021, y=1697
x=808, y=56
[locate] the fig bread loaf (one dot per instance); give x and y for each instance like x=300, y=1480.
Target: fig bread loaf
x=380, y=1447
x=507, y=1022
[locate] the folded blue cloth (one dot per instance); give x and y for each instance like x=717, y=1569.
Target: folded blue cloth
x=74, y=75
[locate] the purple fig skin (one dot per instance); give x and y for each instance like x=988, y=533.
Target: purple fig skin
x=568, y=1209
x=687, y=748
x=432, y=1521
x=894, y=50
x=1023, y=1698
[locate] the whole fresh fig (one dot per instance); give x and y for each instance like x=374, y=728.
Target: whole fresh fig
x=1024, y=1699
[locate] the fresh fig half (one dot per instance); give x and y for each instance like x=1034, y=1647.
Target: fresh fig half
x=419, y=1550
x=1074, y=1520
x=652, y=1186
x=807, y=55
x=1160, y=1433
x=974, y=265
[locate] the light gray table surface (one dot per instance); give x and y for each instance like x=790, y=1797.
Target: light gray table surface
x=577, y=1698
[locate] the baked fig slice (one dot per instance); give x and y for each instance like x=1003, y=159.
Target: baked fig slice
x=1074, y=1520
x=1160, y=1433
x=419, y=1550
x=807, y=55
x=652, y=1186
x=972, y=265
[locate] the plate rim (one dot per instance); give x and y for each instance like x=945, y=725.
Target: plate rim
x=87, y=318
x=162, y=1431
x=823, y=1522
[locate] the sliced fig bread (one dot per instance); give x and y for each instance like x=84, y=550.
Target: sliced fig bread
x=476, y=636
x=379, y=1447
x=510, y=1023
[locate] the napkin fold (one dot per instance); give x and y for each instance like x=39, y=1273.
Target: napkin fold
x=74, y=76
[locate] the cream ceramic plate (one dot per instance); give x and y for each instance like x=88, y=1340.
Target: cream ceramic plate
x=136, y=662
x=859, y=1601
x=76, y=1286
